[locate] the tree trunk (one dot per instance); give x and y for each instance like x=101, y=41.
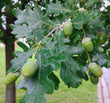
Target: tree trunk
x=10, y=90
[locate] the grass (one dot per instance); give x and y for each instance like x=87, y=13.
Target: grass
x=86, y=93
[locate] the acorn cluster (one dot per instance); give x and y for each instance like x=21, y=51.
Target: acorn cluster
x=87, y=44
x=28, y=70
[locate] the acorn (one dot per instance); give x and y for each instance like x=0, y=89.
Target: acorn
x=95, y=69
x=87, y=44
x=94, y=79
x=68, y=28
x=11, y=78
x=29, y=69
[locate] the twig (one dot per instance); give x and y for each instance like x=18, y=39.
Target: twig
x=88, y=56
x=39, y=43
x=36, y=50
x=84, y=33
x=53, y=30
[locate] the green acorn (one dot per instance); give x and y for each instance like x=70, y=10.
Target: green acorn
x=11, y=78
x=87, y=44
x=94, y=79
x=95, y=69
x=29, y=69
x=101, y=37
x=68, y=28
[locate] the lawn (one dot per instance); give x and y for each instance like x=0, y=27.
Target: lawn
x=86, y=93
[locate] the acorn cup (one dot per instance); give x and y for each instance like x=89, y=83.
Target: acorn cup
x=11, y=78
x=29, y=69
x=87, y=44
x=68, y=28
x=95, y=69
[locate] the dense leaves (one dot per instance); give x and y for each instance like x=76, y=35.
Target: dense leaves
x=80, y=20
x=56, y=9
x=41, y=25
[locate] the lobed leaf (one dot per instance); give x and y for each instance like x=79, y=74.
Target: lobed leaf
x=23, y=46
x=69, y=71
x=52, y=53
x=33, y=18
x=101, y=59
x=21, y=31
x=80, y=20
x=56, y=9
x=20, y=60
x=38, y=85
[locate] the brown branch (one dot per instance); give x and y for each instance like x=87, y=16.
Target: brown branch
x=50, y=33
x=53, y=30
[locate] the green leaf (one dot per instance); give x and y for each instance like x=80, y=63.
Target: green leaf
x=80, y=20
x=68, y=73
x=33, y=18
x=60, y=38
x=55, y=79
x=21, y=59
x=83, y=75
x=38, y=85
x=23, y=46
x=52, y=53
x=90, y=3
x=54, y=60
x=74, y=50
x=17, y=53
x=56, y=9
x=38, y=33
x=108, y=30
x=81, y=58
x=101, y=58
x=21, y=31
x=96, y=23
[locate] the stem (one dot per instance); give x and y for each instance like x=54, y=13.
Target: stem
x=88, y=56
x=39, y=44
x=33, y=57
x=33, y=46
x=53, y=30
x=59, y=37
x=84, y=33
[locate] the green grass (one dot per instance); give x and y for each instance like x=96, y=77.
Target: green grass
x=86, y=93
